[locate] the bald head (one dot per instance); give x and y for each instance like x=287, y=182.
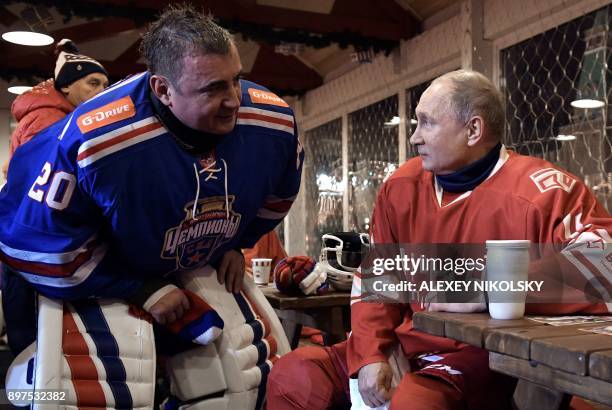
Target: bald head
x=473, y=94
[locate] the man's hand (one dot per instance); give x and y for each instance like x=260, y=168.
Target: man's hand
x=457, y=307
x=375, y=383
x=231, y=271
x=170, y=307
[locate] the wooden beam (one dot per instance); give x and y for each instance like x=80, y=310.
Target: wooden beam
x=42, y=66
x=293, y=19
x=131, y=54
x=94, y=30
x=396, y=12
x=7, y=17
x=281, y=72
x=312, y=22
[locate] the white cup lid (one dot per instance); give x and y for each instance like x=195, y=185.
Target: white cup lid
x=519, y=243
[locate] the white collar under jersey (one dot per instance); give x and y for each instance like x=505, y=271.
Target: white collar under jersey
x=503, y=157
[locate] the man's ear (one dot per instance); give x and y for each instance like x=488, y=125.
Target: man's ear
x=65, y=90
x=475, y=129
x=161, y=88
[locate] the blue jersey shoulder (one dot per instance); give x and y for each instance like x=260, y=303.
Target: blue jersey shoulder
x=258, y=96
x=119, y=105
x=120, y=118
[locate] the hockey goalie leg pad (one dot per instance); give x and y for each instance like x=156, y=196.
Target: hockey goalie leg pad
x=96, y=352
x=250, y=342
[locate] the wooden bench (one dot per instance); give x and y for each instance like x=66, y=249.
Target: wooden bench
x=328, y=313
x=551, y=362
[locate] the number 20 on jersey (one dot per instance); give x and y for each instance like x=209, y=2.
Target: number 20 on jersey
x=58, y=192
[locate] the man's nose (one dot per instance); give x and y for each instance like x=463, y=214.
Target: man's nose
x=415, y=138
x=233, y=99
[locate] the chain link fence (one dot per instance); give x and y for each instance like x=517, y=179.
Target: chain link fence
x=373, y=156
x=547, y=79
x=323, y=183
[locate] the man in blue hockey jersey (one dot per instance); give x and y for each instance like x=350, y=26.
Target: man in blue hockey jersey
x=168, y=170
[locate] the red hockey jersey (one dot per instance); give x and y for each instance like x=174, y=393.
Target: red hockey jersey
x=523, y=198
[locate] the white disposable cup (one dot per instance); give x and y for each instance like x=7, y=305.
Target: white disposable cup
x=507, y=261
x=261, y=270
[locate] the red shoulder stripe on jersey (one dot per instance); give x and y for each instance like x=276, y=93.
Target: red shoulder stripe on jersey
x=281, y=206
x=118, y=139
x=267, y=118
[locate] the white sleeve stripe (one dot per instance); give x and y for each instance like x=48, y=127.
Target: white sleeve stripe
x=61, y=136
x=88, y=160
x=583, y=238
x=79, y=276
x=51, y=258
x=588, y=275
x=266, y=124
x=604, y=235
x=268, y=113
x=157, y=295
x=115, y=133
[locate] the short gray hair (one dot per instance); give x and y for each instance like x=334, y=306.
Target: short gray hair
x=474, y=94
x=180, y=31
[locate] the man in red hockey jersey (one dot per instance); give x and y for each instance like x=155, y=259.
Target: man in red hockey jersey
x=464, y=187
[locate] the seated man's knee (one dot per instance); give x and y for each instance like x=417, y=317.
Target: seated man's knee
x=425, y=393
x=303, y=379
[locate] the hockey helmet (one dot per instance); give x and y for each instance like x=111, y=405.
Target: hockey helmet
x=341, y=255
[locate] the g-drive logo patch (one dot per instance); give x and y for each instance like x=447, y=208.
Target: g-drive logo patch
x=110, y=113
x=194, y=241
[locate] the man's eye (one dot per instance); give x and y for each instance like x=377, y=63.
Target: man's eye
x=211, y=90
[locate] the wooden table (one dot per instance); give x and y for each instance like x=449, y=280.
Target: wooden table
x=551, y=362
x=328, y=313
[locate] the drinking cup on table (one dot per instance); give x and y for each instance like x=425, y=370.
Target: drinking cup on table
x=261, y=270
x=507, y=261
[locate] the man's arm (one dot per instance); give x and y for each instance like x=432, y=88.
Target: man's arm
x=576, y=263
x=373, y=323
x=278, y=203
x=52, y=232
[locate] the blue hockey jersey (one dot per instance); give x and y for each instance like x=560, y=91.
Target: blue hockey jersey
x=106, y=198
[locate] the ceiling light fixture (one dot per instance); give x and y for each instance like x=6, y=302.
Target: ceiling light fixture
x=19, y=89
x=587, y=103
x=562, y=137
x=32, y=29
x=393, y=121
x=27, y=38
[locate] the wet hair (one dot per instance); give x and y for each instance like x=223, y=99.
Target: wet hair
x=474, y=94
x=180, y=31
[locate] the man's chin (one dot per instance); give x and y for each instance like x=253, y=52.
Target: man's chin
x=425, y=164
x=221, y=129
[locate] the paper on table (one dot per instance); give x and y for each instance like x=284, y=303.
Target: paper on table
x=569, y=320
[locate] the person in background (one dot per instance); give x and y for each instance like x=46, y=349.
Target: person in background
x=76, y=79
